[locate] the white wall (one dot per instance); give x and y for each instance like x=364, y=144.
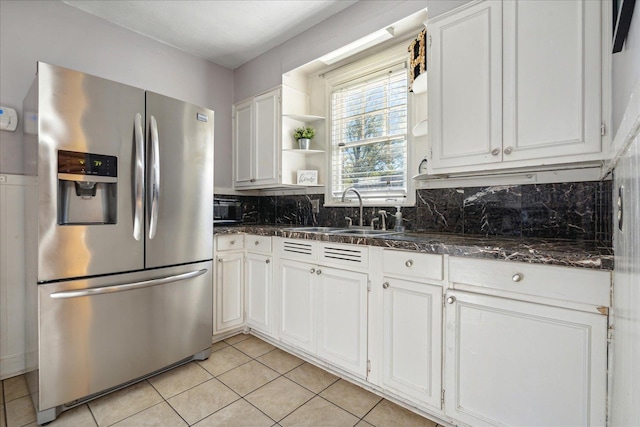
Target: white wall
x=54, y=32
x=625, y=370
x=363, y=18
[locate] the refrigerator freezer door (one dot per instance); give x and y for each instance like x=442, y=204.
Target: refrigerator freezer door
x=179, y=182
x=79, y=113
x=99, y=333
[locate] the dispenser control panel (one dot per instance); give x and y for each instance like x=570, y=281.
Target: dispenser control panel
x=87, y=164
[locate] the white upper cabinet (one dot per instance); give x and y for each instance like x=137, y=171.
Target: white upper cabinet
x=465, y=87
x=257, y=141
x=515, y=84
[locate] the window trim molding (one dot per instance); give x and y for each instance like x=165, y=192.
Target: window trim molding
x=351, y=73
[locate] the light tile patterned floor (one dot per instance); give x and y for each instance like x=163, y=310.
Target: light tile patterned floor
x=246, y=382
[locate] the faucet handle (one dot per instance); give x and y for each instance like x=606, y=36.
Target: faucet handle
x=373, y=223
x=349, y=221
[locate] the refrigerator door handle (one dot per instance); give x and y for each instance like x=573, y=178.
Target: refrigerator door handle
x=138, y=179
x=127, y=286
x=155, y=178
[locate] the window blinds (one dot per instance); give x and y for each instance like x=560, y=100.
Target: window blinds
x=369, y=136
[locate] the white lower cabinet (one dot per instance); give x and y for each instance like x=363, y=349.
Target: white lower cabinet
x=412, y=340
x=342, y=318
x=297, y=302
x=323, y=309
x=258, y=273
x=228, y=292
x=410, y=306
x=525, y=344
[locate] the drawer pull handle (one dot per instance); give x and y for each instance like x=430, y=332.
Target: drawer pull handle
x=385, y=285
x=451, y=300
x=409, y=263
x=517, y=277
x=313, y=270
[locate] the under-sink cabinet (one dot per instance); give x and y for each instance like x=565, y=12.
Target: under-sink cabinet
x=323, y=309
x=525, y=344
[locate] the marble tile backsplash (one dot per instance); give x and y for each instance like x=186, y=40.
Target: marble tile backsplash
x=579, y=211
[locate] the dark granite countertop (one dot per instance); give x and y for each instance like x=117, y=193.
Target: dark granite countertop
x=570, y=253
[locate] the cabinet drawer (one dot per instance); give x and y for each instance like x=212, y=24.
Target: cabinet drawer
x=581, y=285
x=261, y=244
x=412, y=264
x=230, y=242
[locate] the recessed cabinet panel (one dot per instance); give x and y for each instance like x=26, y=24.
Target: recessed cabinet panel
x=267, y=119
x=412, y=355
x=551, y=78
x=465, y=98
x=243, y=127
x=258, y=284
x=342, y=319
x=229, y=292
x=516, y=363
x=297, y=304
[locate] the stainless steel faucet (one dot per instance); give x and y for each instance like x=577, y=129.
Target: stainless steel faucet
x=359, y=200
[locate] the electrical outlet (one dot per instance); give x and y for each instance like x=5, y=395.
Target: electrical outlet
x=315, y=206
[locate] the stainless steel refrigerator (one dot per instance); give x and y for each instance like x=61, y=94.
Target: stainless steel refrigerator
x=119, y=252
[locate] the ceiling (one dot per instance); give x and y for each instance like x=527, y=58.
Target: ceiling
x=226, y=32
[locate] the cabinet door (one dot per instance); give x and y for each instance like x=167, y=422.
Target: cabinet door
x=243, y=144
x=258, y=280
x=229, y=292
x=517, y=363
x=412, y=340
x=342, y=319
x=552, y=75
x=465, y=87
x=297, y=304
x=267, y=138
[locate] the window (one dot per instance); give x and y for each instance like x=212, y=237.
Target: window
x=369, y=136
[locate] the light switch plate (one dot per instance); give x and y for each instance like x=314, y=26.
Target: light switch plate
x=315, y=206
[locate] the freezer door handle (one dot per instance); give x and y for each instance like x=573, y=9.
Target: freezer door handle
x=127, y=286
x=138, y=179
x=155, y=178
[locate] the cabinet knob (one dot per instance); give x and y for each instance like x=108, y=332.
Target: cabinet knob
x=495, y=151
x=318, y=272
x=219, y=259
x=517, y=277
x=409, y=263
x=268, y=261
x=233, y=242
x=313, y=270
x=508, y=150
x=252, y=180
x=451, y=300
x=385, y=285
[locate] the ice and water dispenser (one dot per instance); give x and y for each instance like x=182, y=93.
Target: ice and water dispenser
x=87, y=188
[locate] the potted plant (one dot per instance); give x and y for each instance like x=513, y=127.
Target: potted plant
x=304, y=135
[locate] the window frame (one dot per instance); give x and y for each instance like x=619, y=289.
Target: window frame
x=390, y=59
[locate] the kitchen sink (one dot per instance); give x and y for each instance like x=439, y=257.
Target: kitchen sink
x=366, y=232
x=316, y=229
x=362, y=232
